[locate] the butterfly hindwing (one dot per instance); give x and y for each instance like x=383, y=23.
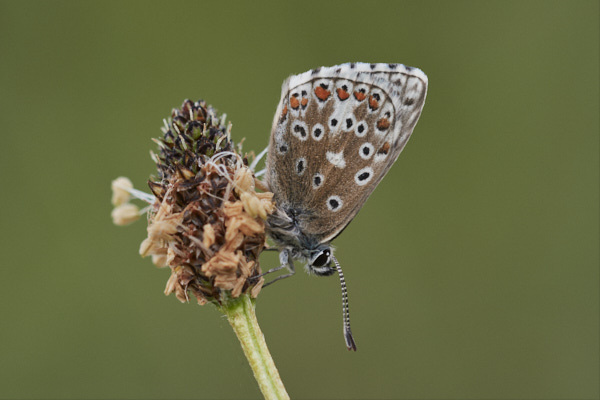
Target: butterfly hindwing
x=336, y=133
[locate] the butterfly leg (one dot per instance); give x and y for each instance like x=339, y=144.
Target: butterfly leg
x=286, y=262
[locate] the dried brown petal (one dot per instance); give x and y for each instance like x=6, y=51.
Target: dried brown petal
x=160, y=260
x=146, y=247
x=252, y=205
x=243, y=181
x=208, y=236
x=233, y=209
x=164, y=227
x=200, y=298
x=172, y=283
x=235, y=242
x=257, y=287
x=237, y=289
x=251, y=227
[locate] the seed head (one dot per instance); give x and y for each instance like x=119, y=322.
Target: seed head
x=206, y=221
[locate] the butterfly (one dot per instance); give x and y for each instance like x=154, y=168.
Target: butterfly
x=336, y=133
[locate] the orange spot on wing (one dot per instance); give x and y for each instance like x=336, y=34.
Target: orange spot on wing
x=383, y=124
x=360, y=96
x=342, y=94
x=322, y=94
x=304, y=102
x=384, y=149
x=294, y=102
x=373, y=104
x=284, y=112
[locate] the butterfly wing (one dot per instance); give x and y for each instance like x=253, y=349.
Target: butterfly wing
x=336, y=133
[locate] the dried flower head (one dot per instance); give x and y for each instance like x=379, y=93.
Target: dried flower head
x=206, y=221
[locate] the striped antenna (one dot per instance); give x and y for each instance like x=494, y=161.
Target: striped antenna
x=350, y=344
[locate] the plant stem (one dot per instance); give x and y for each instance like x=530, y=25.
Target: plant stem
x=242, y=318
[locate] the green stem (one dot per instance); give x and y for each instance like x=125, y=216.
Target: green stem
x=241, y=316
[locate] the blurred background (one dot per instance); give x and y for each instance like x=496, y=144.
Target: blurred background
x=472, y=269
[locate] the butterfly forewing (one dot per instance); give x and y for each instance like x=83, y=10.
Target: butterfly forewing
x=336, y=133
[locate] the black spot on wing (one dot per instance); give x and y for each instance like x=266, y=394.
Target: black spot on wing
x=300, y=129
x=300, y=166
x=317, y=180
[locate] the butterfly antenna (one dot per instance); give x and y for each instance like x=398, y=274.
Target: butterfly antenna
x=350, y=344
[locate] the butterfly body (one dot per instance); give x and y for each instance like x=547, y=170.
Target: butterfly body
x=336, y=133
x=288, y=227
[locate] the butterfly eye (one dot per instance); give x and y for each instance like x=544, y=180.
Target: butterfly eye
x=321, y=258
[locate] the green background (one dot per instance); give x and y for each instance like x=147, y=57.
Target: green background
x=472, y=269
